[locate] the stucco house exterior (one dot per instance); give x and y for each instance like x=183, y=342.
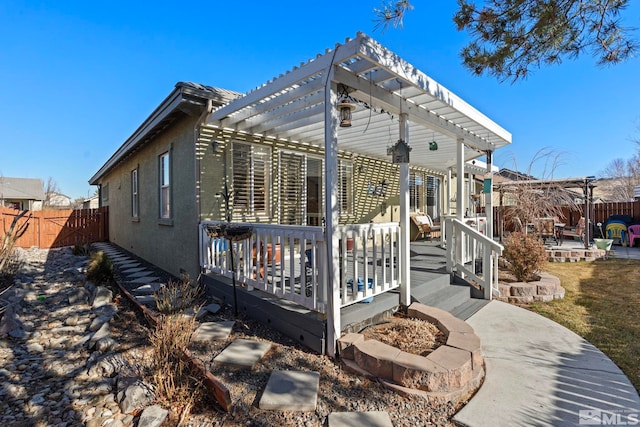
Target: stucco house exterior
x=21, y=193
x=325, y=163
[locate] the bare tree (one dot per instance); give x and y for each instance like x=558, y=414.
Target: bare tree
x=50, y=190
x=544, y=197
x=621, y=177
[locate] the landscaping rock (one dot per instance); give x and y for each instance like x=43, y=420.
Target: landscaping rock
x=102, y=296
x=136, y=395
x=152, y=416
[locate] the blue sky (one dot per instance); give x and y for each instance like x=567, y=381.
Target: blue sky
x=78, y=77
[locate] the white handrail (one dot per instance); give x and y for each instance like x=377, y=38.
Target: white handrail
x=466, y=246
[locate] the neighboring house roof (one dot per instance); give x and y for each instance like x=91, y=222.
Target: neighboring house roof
x=511, y=175
x=21, y=188
x=186, y=99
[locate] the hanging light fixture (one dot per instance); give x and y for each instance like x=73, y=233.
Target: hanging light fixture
x=345, y=107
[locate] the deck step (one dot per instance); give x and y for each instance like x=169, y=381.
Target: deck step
x=434, y=285
x=447, y=298
x=469, y=308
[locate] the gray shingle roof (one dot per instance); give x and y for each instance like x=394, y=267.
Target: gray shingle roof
x=21, y=188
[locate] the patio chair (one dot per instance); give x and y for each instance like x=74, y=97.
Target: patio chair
x=424, y=225
x=545, y=228
x=577, y=232
x=634, y=233
x=616, y=230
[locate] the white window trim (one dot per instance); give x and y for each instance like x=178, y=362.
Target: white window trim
x=135, y=194
x=165, y=217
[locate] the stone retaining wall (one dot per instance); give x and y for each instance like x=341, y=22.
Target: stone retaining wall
x=452, y=372
x=575, y=255
x=546, y=289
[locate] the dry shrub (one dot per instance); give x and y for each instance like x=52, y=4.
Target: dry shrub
x=100, y=268
x=175, y=387
x=12, y=265
x=177, y=296
x=526, y=256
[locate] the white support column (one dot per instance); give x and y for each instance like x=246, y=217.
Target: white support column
x=461, y=196
x=488, y=194
x=331, y=119
x=449, y=193
x=405, y=278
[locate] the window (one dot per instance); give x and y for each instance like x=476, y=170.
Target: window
x=292, y=201
x=134, y=194
x=165, y=186
x=104, y=193
x=416, y=191
x=433, y=197
x=345, y=187
x=251, y=179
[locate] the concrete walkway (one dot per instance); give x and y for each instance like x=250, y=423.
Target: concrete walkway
x=542, y=374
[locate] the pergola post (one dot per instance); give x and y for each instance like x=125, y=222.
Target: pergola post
x=460, y=198
x=405, y=288
x=331, y=116
x=488, y=194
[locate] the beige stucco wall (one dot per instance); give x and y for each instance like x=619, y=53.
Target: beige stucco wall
x=172, y=245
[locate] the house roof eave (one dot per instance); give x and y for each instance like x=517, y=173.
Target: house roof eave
x=186, y=98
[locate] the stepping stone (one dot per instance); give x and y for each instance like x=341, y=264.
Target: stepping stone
x=211, y=308
x=291, y=391
x=242, y=353
x=147, y=289
x=146, y=299
x=129, y=265
x=213, y=331
x=145, y=280
x=354, y=419
x=140, y=273
x=133, y=270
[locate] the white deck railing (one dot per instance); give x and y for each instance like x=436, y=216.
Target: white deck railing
x=473, y=256
x=291, y=263
x=370, y=256
x=282, y=260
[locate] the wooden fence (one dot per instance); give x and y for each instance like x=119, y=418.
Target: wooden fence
x=58, y=228
x=600, y=212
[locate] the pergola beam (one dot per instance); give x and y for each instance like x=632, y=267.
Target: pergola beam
x=392, y=102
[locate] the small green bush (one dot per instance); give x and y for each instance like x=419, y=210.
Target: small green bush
x=81, y=249
x=100, y=269
x=526, y=256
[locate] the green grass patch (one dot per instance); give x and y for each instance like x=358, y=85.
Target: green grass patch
x=601, y=304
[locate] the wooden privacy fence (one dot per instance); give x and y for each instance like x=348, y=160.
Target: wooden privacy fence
x=58, y=228
x=600, y=212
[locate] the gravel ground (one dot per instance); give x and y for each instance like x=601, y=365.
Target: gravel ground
x=339, y=391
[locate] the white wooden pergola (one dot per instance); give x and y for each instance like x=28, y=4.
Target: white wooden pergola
x=393, y=101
